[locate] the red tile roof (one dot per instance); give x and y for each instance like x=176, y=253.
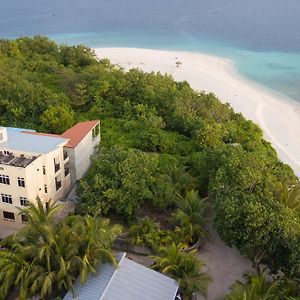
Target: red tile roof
x=76, y=133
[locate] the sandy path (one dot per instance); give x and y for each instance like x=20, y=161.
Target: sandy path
x=279, y=118
x=224, y=264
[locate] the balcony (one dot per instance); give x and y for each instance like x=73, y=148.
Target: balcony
x=67, y=171
x=57, y=184
x=66, y=155
x=56, y=167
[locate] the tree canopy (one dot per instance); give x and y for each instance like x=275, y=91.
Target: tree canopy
x=150, y=122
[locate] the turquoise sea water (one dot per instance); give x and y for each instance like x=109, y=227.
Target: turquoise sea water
x=262, y=37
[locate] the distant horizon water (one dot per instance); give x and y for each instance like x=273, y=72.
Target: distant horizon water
x=259, y=36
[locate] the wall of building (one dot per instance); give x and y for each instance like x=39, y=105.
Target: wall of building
x=83, y=152
x=71, y=155
x=3, y=134
x=15, y=191
x=41, y=174
x=80, y=156
x=35, y=183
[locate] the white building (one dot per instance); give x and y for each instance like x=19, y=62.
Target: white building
x=41, y=165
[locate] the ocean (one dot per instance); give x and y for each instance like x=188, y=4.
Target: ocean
x=262, y=37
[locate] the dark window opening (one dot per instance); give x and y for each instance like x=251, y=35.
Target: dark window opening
x=6, y=198
x=24, y=218
x=56, y=166
x=57, y=183
x=23, y=201
x=4, y=179
x=21, y=182
x=8, y=215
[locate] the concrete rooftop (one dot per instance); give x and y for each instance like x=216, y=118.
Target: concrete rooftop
x=22, y=140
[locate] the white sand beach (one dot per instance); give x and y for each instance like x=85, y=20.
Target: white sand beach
x=278, y=117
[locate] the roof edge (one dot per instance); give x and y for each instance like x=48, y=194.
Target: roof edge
x=78, y=132
x=111, y=278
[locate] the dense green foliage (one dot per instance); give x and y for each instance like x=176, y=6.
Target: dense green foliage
x=120, y=181
x=150, y=122
x=263, y=287
x=46, y=257
x=147, y=232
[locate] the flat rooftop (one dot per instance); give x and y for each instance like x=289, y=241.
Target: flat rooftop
x=30, y=142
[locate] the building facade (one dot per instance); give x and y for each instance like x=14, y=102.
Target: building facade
x=41, y=165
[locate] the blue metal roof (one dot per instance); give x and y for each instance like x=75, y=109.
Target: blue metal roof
x=26, y=142
x=130, y=281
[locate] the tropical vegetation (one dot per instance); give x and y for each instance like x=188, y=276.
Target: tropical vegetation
x=185, y=267
x=263, y=287
x=164, y=146
x=45, y=258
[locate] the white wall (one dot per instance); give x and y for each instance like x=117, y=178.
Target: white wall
x=80, y=156
x=35, y=182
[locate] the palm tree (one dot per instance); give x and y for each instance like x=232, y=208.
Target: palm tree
x=73, y=248
x=190, y=205
x=96, y=236
x=184, y=267
x=257, y=287
x=38, y=217
x=189, y=215
x=178, y=179
x=14, y=270
x=289, y=288
x=187, y=232
x=37, y=213
x=48, y=256
x=290, y=196
x=146, y=232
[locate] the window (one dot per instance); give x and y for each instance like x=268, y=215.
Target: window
x=6, y=198
x=44, y=170
x=95, y=131
x=57, y=183
x=23, y=201
x=65, y=155
x=21, y=181
x=46, y=188
x=67, y=170
x=6, y=152
x=4, y=179
x=8, y=215
x=24, y=219
x=56, y=166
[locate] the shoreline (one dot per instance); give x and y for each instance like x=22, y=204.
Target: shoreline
x=278, y=116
